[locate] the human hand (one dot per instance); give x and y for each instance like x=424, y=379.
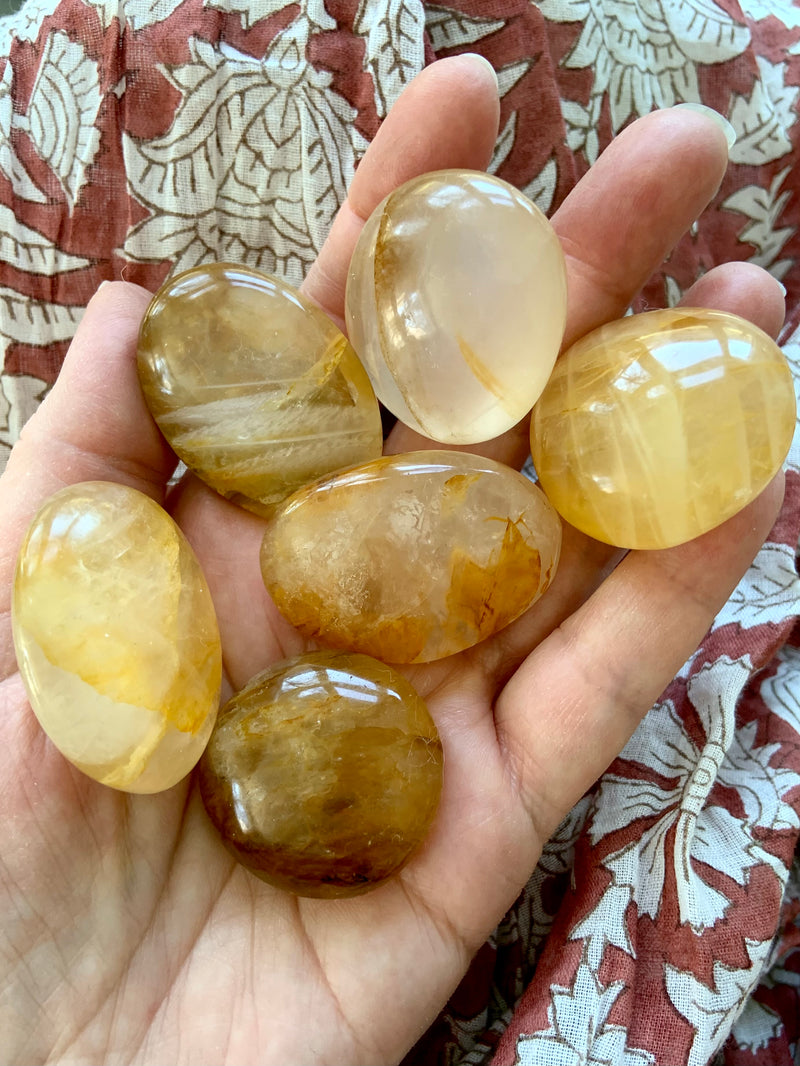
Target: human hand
x=129, y=932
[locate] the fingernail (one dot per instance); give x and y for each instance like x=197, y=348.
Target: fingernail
x=486, y=63
x=715, y=116
x=783, y=287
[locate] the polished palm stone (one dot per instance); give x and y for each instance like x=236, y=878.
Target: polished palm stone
x=411, y=557
x=456, y=304
x=116, y=636
x=255, y=389
x=658, y=427
x=323, y=774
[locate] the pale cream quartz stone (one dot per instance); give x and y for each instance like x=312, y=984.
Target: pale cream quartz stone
x=456, y=304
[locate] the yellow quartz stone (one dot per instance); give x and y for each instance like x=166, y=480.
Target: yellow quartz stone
x=255, y=389
x=658, y=427
x=323, y=775
x=116, y=636
x=411, y=557
x=456, y=304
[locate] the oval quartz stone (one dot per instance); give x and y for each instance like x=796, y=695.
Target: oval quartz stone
x=255, y=389
x=456, y=304
x=116, y=637
x=323, y=774
x=411, y=557
x=656, y=428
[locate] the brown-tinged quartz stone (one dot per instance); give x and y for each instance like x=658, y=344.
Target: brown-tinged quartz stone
x=254, y=387
x=411, y=557
x=116, y=636
x=658, y=427
x=323, y=774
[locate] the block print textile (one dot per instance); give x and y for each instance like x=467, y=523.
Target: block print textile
x=662, y=925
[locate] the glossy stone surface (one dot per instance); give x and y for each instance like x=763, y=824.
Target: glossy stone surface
x=323, y=774
x=255, y=389
x=658, y=427
x=411, y=557
x=456, y=303
x=116, y=636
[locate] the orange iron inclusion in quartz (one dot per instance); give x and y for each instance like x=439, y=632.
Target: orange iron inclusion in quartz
x=323, y=774
x=411, y=557
x=116, y=637
x=656, y=428
x=456, y=304
x=255, y=389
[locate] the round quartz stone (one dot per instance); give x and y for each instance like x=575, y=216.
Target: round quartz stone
x=456, y=304
x=323, y=774
x=116, y=637
x=255, y=389
x=656, y=428
x=411, y=557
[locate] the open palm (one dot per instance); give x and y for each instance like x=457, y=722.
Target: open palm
x=129, y=934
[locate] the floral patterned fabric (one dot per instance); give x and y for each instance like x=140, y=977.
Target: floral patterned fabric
x=662, y=924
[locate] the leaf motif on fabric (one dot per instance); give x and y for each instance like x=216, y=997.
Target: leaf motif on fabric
x=768, y=592
x=450, y=28
x=503, y=144
x=150, y=12
x=579, y=1033
x=252, y=11
x=557, y=860
x=20, y=395
x=511, y=74
x=394, y=33
x=542, y=188
x=781, y=691
x=705, y=31
x=61, y=115
x=25, y=24
x=642, y=56
x=703, y=832
x=763, y=120
x=507, y=77
x=764, y=208
x=26, y=249
x=756, y=1026
x=108, y=10
x=606, y=923
x=22, y=183
x=712, y=1011
x=255, y=165
x=564, y=10
x=788, y=14
x=26, y=321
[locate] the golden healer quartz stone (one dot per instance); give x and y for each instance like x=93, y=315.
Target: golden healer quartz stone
x=411, y=557
x=116, y=637
x=456, y=304
x=323, y=774
x=255, y=389
x=658, y=427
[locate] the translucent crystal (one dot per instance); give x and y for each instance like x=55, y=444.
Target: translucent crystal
x=254, y=388
x=116, y=636
x=323, y=774
x=411, y=557
x=456, y=303
x=658, y=427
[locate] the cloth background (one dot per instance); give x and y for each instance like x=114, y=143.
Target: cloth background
x=137, y=137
